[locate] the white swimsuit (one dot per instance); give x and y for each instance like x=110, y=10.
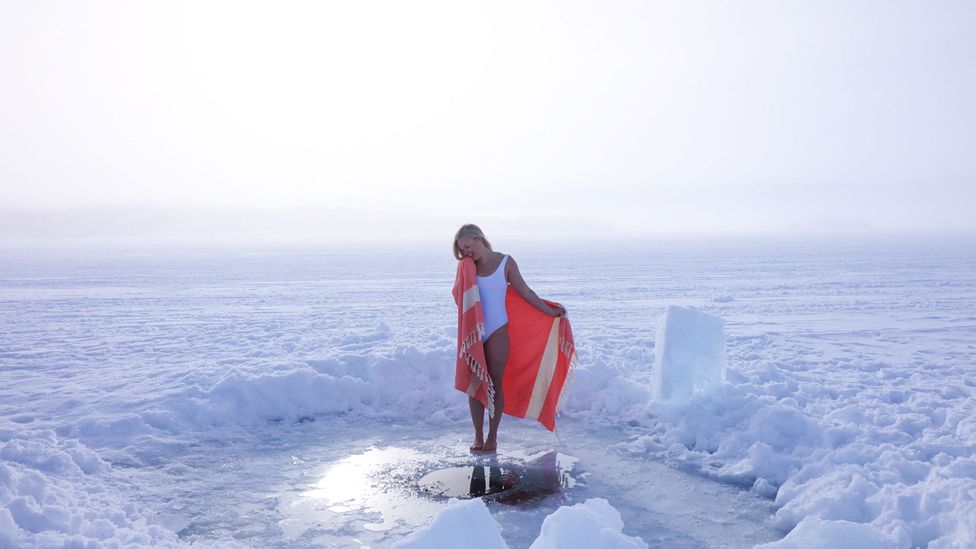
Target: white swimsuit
x=492, y=290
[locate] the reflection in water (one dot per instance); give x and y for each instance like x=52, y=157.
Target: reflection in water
x=368, y=484
x=378, y=491
x=509, y=483
x=469, y=482
x=483, y=484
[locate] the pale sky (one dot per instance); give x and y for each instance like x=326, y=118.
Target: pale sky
x=366, y=117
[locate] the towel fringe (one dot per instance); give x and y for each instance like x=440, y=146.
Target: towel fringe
x=566, y=347
x=570, y=374
x=469, y=343
x=481, y=372
x=476, y=336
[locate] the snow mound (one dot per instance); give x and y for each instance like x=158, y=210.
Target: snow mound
x=407, y=383
x=893, y=462
x=815, y=533
x=605, y=390
x=462, y=523
x=689, y=357
x=54, y=493
x=593, y=523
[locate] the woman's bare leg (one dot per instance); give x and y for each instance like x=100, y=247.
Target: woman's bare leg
x=478, y=420
x=496, y=353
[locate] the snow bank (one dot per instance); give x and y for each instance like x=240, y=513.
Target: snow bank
x=593, y=523
x=815, y=533
x=827, y=433
x=689, y=356
x=56, y=493
x=407, y=383
x=605, y=391
x=897, y=464
x=461, y=524
x=856, y=464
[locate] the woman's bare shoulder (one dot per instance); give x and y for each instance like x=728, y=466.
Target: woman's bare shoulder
x=511, y=266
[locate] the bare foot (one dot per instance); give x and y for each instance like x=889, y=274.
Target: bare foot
x=489, y=446
x=477, y=446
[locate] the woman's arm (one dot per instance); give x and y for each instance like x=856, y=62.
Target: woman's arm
x=518, y=283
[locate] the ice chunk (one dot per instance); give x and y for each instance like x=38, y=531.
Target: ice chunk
x=689, y=355
x=593, y=523
x=462, y=523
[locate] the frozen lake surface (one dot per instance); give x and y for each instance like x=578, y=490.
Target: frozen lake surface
x=298, y=397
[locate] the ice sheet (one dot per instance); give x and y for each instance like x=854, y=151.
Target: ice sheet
x=167, y=397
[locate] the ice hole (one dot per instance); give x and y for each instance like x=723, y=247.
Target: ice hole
x=510, y=483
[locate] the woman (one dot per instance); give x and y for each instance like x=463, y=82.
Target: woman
x=495, y=272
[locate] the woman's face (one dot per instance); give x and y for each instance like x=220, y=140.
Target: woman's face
x=471, y=247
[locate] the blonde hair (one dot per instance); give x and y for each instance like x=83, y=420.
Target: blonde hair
x=469, y=230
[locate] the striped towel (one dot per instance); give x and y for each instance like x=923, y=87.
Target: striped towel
x=540, y=359
x=471, y=373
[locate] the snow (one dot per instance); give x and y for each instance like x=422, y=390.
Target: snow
x=50, y=495
x=689, y=358
x=462, y=523
x=374, y=385
x=593, y=523
x=174, y=397
x=814, y=533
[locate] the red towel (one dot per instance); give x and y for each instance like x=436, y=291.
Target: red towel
x=540, y=358
x=471, y=373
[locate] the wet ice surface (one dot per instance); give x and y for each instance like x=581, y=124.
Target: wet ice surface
x=176, y=396
x=382, y=493
x=302, y=490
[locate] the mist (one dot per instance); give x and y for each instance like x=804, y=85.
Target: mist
x=351, y=122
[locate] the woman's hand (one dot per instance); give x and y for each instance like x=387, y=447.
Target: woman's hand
x=558, y=311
